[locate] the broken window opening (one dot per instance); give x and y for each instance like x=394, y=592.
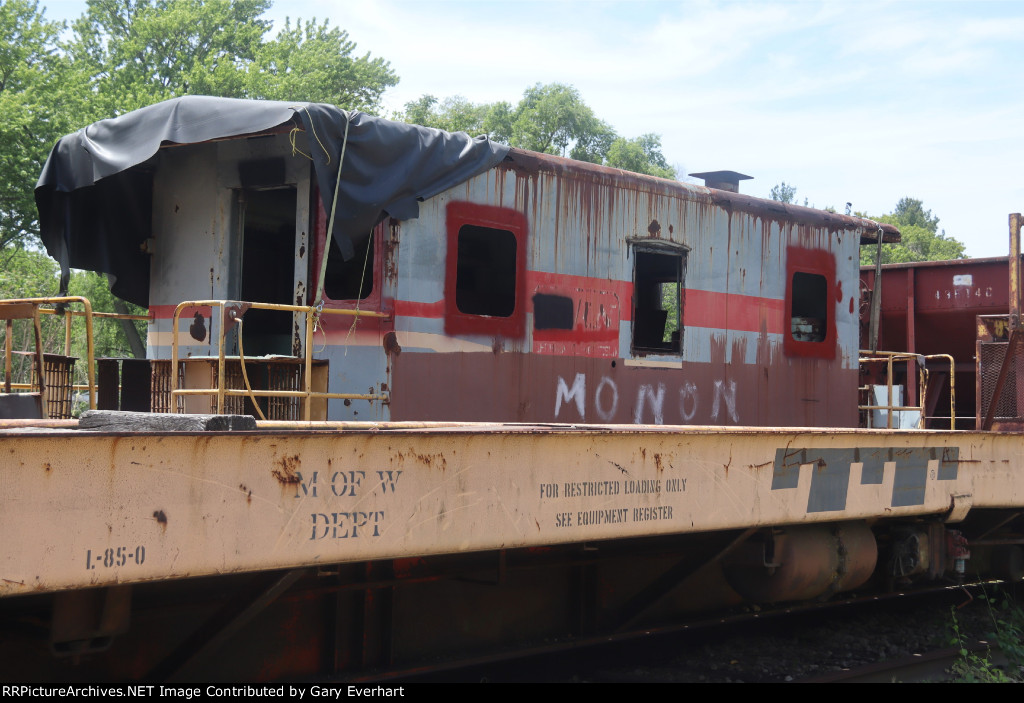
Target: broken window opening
x=657, y=302
x=352, y=279
x=809, y=307
x=485, y=279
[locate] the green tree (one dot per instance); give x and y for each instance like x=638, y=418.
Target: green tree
x=920, y=238
x=138, y=52
x=551, y=119
x=315, y=62
x=641, y=155
x=454, y=114
x=910, y=211
x=126, y=54
x=27, y=273
x=783, y=193
x=33, y=79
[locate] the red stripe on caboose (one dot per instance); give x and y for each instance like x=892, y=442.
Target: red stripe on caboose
x=711, y=309
x=166, y=312
x=731, y=311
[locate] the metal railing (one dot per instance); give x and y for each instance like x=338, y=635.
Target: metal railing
x=46, y=361
x=17, y=308
x=232, y=313
x=889, y=358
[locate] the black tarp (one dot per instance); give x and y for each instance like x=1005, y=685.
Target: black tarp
x=95, y=207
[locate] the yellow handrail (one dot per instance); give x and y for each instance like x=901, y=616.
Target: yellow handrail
x=888, y=358
x=88, y=314
x=234, y=310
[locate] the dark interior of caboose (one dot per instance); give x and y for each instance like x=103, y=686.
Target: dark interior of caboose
x=268, y=250
x=485, y=281
x=657, y=301
x=809, y=311
x=352, y=279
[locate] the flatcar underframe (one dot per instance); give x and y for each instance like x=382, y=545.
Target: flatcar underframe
x=353, y=549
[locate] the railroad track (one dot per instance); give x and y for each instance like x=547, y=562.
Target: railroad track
x=900, y=638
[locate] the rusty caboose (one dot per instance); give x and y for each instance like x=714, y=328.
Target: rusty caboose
x=509, y=399
x=527, y=287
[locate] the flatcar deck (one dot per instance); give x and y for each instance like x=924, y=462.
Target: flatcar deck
x=90, y=509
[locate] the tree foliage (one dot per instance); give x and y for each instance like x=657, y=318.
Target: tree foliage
x=551, y=119
x=642, y=155
x=911, y=212
x=920, y=238
x=138, y=52
x=26, y=273
x=121, y=55
x=32, y=73
x=454, y=114
x=316, y=63
x=783, y=193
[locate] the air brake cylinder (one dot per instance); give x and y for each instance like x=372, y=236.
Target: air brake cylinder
x=803, y=562
x=932, y=552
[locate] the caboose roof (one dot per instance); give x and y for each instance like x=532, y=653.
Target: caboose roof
x=91, y=197
x=86, y=191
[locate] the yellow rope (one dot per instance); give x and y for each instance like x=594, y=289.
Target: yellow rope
x=295, y=130
x=362, y=278
x=245, y=376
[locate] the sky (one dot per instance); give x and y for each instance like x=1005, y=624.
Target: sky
x=861, y=102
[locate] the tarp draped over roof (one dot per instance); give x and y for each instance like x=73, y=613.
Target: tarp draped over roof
x=95, y=211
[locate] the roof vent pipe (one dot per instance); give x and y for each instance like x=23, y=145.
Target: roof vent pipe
x=722, y=180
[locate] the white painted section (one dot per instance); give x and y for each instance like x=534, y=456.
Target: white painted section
x=654, y=362
x=425, y=341
x=901, y=419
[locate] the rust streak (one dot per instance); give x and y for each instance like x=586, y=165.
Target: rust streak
x=287, y=474
x=391, y=345
x=198, y=328
x=620, y=467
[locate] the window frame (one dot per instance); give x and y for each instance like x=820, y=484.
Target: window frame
x=817, y=262
x=374, y=299
x=457, y=216
x=659, y=248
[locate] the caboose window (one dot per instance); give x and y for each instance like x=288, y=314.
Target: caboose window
x=810, y=306
x=657, y=302
x=485, y=271
x=485, y=282
x=352, y=279
x=809, y=311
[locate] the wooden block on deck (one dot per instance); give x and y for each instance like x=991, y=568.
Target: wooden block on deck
x=120, y=421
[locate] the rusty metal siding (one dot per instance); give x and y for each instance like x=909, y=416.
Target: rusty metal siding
x=582, y=227
x=190, y=260
x=197, y=253
x=582, y=224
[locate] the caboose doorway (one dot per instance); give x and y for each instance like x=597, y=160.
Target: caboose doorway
x=267, y=219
